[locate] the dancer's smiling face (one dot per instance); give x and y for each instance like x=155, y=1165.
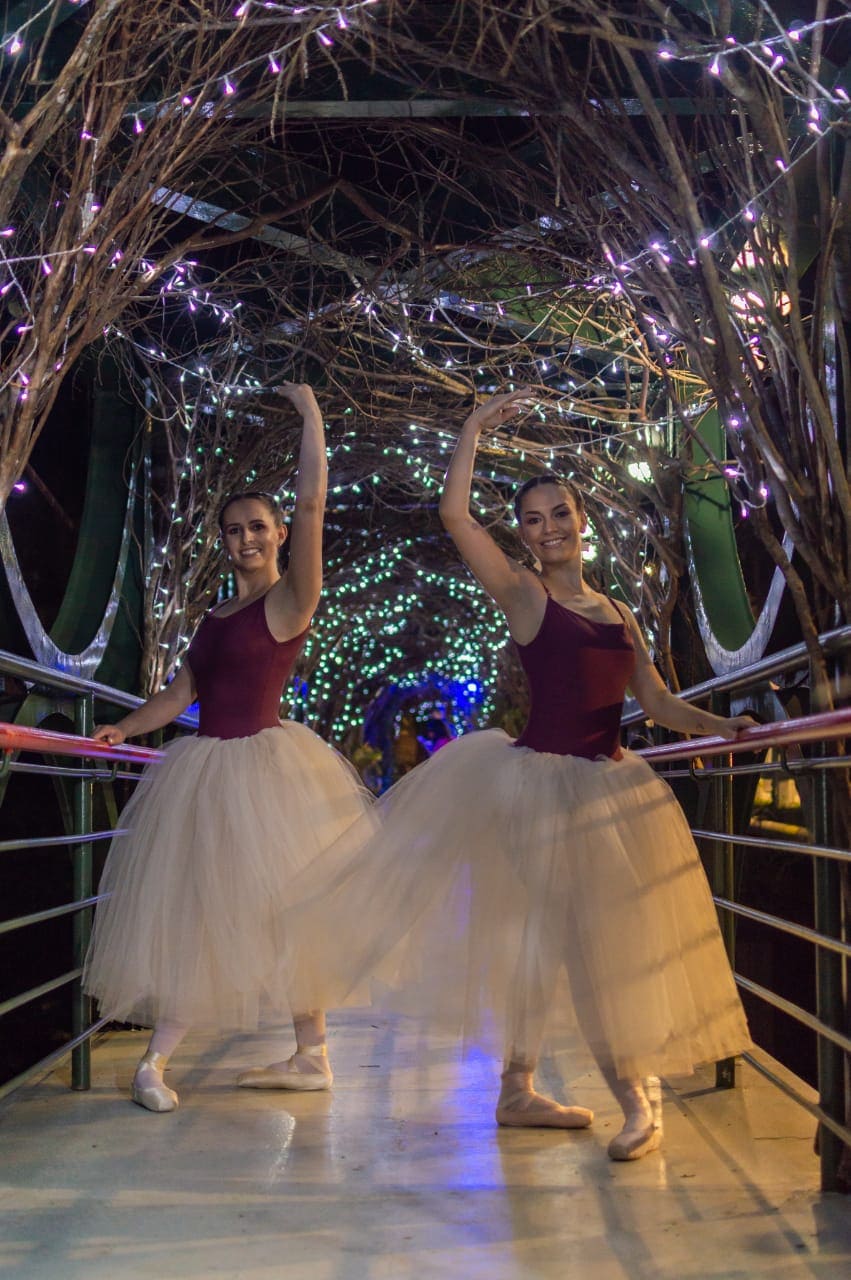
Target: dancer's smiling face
x=253, y=534
x=552, y=520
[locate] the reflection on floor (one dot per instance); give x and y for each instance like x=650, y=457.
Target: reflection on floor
x=400, y=1173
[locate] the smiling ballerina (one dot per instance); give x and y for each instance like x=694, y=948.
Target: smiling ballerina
x=499, y=863
x=190, y=932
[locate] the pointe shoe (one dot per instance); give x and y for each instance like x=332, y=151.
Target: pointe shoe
x=527, y=1109
x=148, y=1090
x=638, y=1138
x=305, y=1072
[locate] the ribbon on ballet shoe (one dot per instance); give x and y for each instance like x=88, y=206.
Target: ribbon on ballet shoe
x=526, y=1109
x=633, y=1143
x=148, y=1089
x=653, y=1089
x=302, y=1072
x=641, y=1101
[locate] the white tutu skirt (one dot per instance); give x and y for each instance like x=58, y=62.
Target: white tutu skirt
x=192, y=930
x=490, y=874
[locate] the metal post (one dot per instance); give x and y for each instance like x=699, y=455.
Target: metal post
x=724, y=872
x=829, y=1002
x=81, y=1006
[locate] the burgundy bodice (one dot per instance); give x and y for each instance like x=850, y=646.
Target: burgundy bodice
x=239, y=670
x=578, y=670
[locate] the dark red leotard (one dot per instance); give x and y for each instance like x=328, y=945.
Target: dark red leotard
x=239, y=670
x=578, y=671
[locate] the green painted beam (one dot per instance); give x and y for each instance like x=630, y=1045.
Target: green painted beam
x=715, y=555
x=115, y=423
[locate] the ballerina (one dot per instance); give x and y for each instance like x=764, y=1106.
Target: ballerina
x=486, y=871
x=190, y=931
x=580, y=649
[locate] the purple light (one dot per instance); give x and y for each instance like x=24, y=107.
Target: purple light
x=20, y=487
x=228, y=89
x=138, y=127
x=274, y=66
x=326, y=40
x=46, y=267
x=8, y=231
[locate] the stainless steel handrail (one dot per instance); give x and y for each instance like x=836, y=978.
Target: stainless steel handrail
x=64, y=682
x=794, y=657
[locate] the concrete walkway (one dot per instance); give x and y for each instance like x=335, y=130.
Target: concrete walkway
x=400, y=1174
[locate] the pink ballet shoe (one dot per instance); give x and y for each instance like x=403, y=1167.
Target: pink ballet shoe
x=305, y=1072
x=638, y=1137
x=148, y=1090
x=526, y=1109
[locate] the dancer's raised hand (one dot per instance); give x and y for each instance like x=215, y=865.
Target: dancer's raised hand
x=492, y=413
x=300, y=396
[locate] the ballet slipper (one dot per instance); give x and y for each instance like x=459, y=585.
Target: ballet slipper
x=642, y=1132
x=148, y=1090
x=304, y=1071
x=520, y=1107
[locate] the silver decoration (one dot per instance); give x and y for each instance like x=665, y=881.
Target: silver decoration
x=45, y=650
x=724, y=660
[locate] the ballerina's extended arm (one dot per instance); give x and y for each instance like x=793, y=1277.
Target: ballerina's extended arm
x=504, y=579
x=293, y=600
x=156, y=713
x=666, y=708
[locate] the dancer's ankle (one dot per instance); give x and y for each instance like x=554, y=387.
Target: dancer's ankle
x=635, y=1105
x=642, y=1128
x=152, y=1063
x=148, y=1088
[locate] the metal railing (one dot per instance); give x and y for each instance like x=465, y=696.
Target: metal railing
x=832, y=948
x=831, y=979
x=826, y=934
x=58, y=692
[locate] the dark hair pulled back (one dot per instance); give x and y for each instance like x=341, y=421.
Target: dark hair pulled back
x=548, y=477
x=269, y=501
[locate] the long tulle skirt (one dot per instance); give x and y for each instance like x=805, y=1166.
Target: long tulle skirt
x=193, y=929
x=490, y=873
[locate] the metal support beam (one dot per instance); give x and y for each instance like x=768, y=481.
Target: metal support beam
x=81, y=1007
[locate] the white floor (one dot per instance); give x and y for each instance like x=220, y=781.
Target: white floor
x=400, y=1173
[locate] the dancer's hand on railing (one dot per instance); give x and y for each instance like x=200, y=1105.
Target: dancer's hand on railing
x=108, y=733
x=732, y=726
